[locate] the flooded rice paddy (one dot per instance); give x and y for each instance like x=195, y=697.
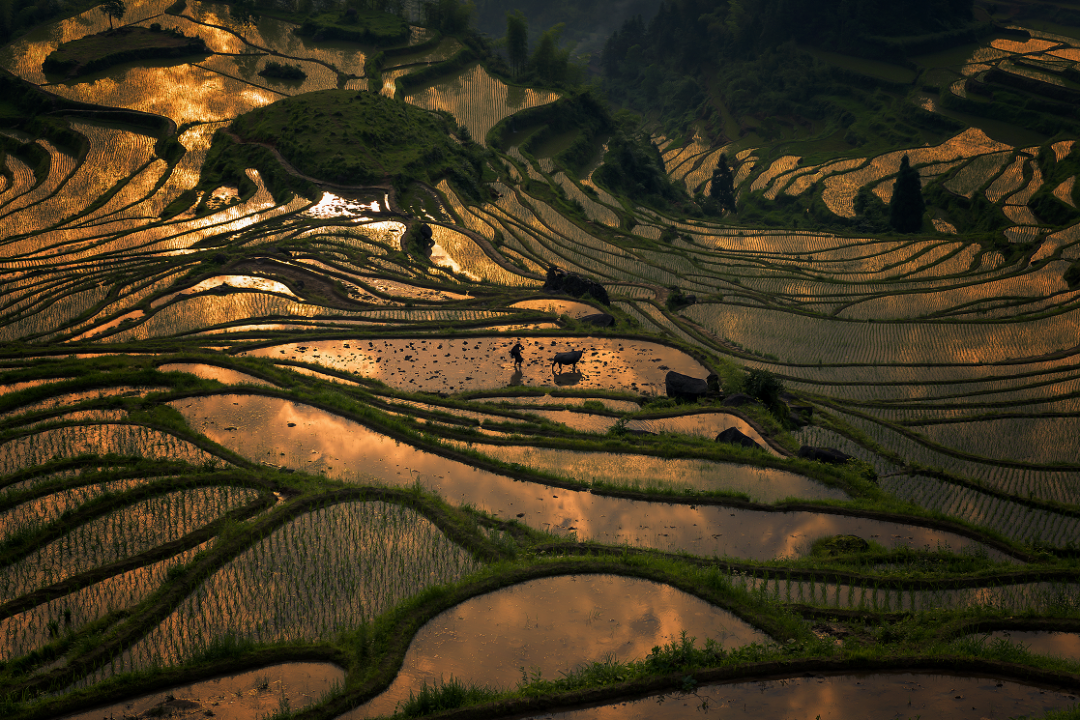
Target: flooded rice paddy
x=244, y=696
x=291, y=435
x=542, y=627
x=387, y=453
x=842, y=697
x=452, y=365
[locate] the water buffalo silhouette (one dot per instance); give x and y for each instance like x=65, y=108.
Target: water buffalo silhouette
x=566, y=358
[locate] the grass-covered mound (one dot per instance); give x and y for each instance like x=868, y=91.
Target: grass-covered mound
x=359, y=138
x=357, y=25
x=113, y=47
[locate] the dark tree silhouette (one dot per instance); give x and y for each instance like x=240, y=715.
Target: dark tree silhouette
x=907, y=206
x=517, y=40
x=722, y=189
x=114, y=9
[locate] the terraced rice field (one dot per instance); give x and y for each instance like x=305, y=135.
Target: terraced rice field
x=272, y=436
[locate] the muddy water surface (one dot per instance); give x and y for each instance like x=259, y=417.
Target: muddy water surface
x=247, y=696
x=458, y=364
x=320, y=442
x=1058, y=644
x=843, y=697
x=552, y=625
x=761, y=484
x=213, y=372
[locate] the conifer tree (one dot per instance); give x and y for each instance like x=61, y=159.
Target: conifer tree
x=907, y=206
x=722, y=189
x=517, y=40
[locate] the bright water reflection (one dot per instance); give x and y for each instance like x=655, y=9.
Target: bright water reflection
x=552, y=625
x=761, y=484
x=458, y=364
x=319, y=442
x=246, y=696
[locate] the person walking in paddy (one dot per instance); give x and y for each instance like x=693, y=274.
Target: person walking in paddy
x=515, y=352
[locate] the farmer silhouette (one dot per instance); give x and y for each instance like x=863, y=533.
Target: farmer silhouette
x=515, y=352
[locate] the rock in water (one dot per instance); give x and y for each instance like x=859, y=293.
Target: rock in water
x=734, y=436
x=685, y=387
x=824, y=454
x=598, y=320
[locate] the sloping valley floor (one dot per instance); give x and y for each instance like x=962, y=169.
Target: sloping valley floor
x=270, y=459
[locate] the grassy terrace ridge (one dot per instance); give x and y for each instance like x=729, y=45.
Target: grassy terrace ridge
x=356, y=25
x=113, y=47
x=363, y=138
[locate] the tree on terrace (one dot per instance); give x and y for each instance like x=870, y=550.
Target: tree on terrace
x=517, y=40
x=114, y=9
x=907, y=206
x=722, y=189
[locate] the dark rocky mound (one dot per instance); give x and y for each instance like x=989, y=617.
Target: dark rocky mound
x=734, y=436
x=685, y=387
x=739, y=399
x=800, y=415
x=558, y=280
x=425, y=237
x=598, y=320
x=823, y=454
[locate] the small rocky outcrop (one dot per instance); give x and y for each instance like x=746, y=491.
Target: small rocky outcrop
x=734, y=436
x=739, y=399
x=425, y=236
x=713, y=381
x=800, y=415
x=685, y=387
x=559, y=280
x=831, y=456
x=598, y=320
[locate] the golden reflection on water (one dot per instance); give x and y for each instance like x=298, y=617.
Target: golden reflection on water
x=458, y=364
x=182, y=93
x=245, y=696
x=553, y=625
x=25, y=55
x=283, y=433
x=477, y=100
x=761, y=484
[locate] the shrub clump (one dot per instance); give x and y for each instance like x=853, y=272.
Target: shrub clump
x=282, y=71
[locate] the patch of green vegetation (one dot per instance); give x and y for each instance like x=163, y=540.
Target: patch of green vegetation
x=579, y=116
x=283, y=71
x=357, y=24
x=633, y=167
x=114, y=47
x=227, y=163
x=362, y=138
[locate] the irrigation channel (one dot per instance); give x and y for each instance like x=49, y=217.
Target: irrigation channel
x=259, y=454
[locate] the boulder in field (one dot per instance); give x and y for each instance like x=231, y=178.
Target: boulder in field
x=559, y=280
x=713, y=381
x=685, y=387
x=824, y=454
x=734, y=436
x=739, y=399
x=800, y=415
x=598, y=320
